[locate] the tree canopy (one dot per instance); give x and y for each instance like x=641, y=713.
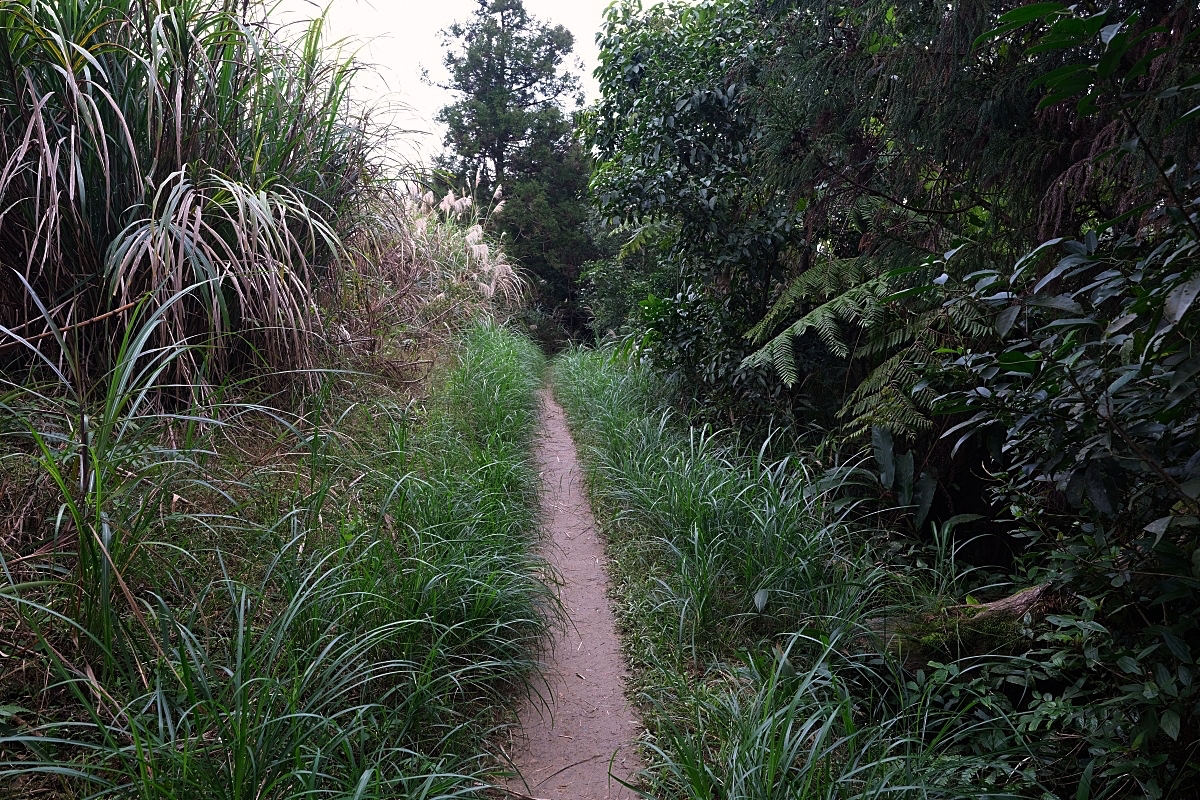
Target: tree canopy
x=963, y=237
x=509, y=131
x=507, y=69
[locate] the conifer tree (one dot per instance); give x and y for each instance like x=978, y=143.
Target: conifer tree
x=508, y=128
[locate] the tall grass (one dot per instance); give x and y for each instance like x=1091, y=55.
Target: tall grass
x=751, y=607
x=208, y=597
x=746, y=544
x=338, y=614
x=99, y=441
x=154, y=145
x=437, y=269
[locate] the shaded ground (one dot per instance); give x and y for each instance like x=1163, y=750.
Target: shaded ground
x=581, y=726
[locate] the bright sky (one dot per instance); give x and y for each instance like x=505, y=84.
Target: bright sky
x=401, y=37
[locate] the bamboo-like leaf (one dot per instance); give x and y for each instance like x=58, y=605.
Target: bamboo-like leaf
x=1180, y=299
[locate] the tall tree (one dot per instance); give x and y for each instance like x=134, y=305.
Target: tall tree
x=509, y=127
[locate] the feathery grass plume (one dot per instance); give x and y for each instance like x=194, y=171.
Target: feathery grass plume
x=450, y=232
x=424, y=269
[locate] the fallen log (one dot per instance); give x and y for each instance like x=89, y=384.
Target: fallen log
x=971, y=628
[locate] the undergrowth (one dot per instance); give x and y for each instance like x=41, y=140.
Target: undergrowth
x=774, y=639
x=238, y=602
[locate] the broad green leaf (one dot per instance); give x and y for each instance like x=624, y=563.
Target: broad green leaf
x=1057, y=43
x=1071, y=83
x=1016, y=361
x=1129, y=666
x=904, y=478
x=1169, y=722
x=1178, y=647
x=925, y=490
x=1030, y=12
x=1139, y=68
x=1159, y=526
x=1097, y=492
x=881, y=441
x=1185, y=372
x=1069, y=26
x=1055, y=99
x=1062, y=266
x=1180, y=299
x=1061, y=302
x=1075, y=322
x=994, y=33
x=1111, y=60
x=1006, y=319
x=1119, y=323
x=1108, y=32
x=1084, y=792
x=1087, y=104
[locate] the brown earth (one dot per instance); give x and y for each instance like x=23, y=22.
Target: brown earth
x=577, y=727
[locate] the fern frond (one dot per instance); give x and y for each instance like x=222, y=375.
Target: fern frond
x=821, y=282
x=785, y=361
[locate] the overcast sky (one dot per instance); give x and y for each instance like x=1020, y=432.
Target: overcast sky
x=401, y=37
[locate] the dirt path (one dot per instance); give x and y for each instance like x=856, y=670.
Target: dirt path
x=582, y=722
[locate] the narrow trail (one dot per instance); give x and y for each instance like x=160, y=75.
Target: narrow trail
x=581, y=724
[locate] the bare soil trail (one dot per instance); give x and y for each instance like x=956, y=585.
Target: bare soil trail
x=581, y=725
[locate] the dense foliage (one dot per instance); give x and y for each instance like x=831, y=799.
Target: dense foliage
x=208, y=591
x=508, y=134
x=781, y=649
x=965, y=236
x=675, y=140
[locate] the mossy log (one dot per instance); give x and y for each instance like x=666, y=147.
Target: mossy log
x=960, y=630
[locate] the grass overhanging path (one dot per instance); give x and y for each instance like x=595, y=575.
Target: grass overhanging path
x=578, y=727
x=341, y=606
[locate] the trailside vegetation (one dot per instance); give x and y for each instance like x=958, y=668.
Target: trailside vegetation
x=785, y=647
x=243, y=602
x=152, y=148
x=951, y=251
x=775, y=639
x=257, y=540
